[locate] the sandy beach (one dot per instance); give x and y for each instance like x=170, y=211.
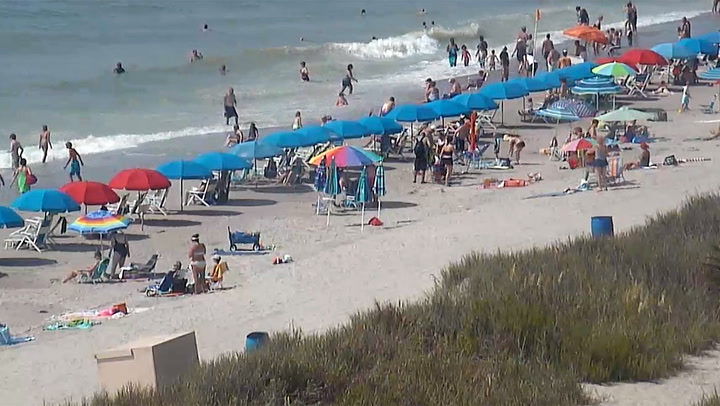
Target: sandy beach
x=337, y=270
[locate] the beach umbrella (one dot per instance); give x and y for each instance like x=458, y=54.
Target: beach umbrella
x=579, y=107
x=608, y=59
x=379, y=185
x=9, y=218
x=448, y=108
x=641, y=56
x=711, y=74
x=410, y=113
x=140, y=180
x=587, y=33
x=577, y=145
x=253, y=150
x=320, y=176
x=614, y=69
x=285, y=139
x=625, y=114
x=332, y=186
x=597, y=86
x=674, y=51
x=558, y=113
x=576, y=72
x=183, y=170
x=347, y=156
x=552, y=79
x=100, y=222
x=504, y=91
x=90, y=193
x=476, y=101
x=347, y=129
x=316, y=134
x=46, y=201
x=363, y=195
x=381, y=125
x=713, y=37
x=220, y=161
x=699, y=46
x=534, y=84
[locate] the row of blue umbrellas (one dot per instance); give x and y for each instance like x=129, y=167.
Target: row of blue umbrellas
x=690, y=47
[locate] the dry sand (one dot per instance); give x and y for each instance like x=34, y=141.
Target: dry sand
x=340, y=270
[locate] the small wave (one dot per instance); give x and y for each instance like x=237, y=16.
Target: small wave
x=470, y=31
x=403, y=46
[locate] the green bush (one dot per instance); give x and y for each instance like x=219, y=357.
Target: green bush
x=504, y=329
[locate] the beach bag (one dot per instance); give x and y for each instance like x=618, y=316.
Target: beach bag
x=31, y=179
x=670, y=161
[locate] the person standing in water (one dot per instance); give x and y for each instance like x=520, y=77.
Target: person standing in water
x=119, y=70
x=348, y=79
x=304, y=72
x=230, y=102
x=297, y=122
x=74, y=161
x=16, y=151
x=21, y=176
x=452, y=50
x=44, y=142
x=482, y=52
x=505, y=62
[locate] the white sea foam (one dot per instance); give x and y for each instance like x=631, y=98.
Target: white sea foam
x=403, y=46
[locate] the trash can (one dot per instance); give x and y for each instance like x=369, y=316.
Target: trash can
x=602, y=226
x=256, y=340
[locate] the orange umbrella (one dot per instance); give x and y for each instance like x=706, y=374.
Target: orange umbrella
x=587, y=33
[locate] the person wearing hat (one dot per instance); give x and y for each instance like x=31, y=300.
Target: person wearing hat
x=218, y=271
x=564, y=61
x=197, y=263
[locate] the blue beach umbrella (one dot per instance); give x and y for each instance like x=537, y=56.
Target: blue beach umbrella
x=252, y=150
x=220, y=161
x=284, y=139
x=379, y=185
x=578, y=107
x=713, y=37
x=504, y=91
x=9, y=218
x=596, y=86
x=699, y=46
x=476, y=101
x=184, y=170
x=448, y=108
x=381, y=125
x=558, y=113
x=410, y=113
x=347, y=129
x=577, y=72
x=533, y=84
x=711, y=74
x=674, y=51
x=363, y=195
x=46, y=201
x=316, y=134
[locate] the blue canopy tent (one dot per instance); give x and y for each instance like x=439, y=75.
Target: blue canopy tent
x=504, y=91
x=476, y=101
x=713, y=37
x=253, y=150
x=381, y=125
x=448, y=108
x=220, y=161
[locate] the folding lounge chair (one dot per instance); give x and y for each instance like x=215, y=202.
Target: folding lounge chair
x=639, y=85
x=140, y=269
x=397, y=147
x=485, y=120
x=36, y=238
x=164, y=287
x=202, y=194
x=97, y=275
x=119, y=207
x=615, y=170
x=156, y=201
x=17, y=236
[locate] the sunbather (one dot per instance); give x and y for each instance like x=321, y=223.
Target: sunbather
x=644, y=160
x=74, y=274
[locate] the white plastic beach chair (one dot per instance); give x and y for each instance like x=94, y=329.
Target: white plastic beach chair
x=155, y=201
x=638, y=85
x=200, y=195
x=17, y=236
x=119, y=207
x=38, y=239
x=485, y=120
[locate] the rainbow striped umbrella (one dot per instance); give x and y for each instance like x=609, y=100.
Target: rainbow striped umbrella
x=100, y=222
x=348, y=156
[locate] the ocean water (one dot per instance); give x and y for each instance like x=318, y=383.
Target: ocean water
x=58, y=57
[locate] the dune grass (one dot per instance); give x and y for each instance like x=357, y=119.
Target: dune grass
x=501, y=329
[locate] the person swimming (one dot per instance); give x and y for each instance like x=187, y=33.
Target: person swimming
x=119, y=70
x=195, y=55
x=362, y=12
x=206, y=28
x=422, y=11
x=223, y=70
x=304, y=72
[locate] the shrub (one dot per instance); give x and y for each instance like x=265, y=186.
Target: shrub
x=503, y=329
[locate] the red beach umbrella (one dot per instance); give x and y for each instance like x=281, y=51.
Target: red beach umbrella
x=640, y=56
x=140, y=180
x=90, y=193
x=608, y=59
x=577, y=145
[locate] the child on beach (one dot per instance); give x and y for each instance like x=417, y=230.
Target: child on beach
x=465, y=55
x=685, y=101
x=341, y=100
x=492, y=60
x=297, y=123
x=74, y=161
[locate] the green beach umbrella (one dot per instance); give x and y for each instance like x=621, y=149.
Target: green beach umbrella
x=625, y=114
x=363, y=194
x=614, y=69
x=332, y=185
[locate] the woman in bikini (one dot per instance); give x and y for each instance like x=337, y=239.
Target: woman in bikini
x=197, y=263
x=446, y=158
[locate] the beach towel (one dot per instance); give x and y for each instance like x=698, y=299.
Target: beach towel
x=79, y=324
x=7, y=339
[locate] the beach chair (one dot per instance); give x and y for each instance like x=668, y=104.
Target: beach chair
x=615, y=170
x=17, y=236
x=139, y=269
x=155, y=201
x=485, y=120
x=37, y=239
x=556, y=154
x=639, y=85
x=119, y=207
x=135, y=204
x=97, y=275
x=399, y=145
x=164, y=287
x=201, y=195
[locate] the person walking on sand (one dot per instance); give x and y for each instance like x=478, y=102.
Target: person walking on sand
x=452, y=50
x=197, y=263
x=547, y=47
x=22, y=176
x=446, y=158
x=420, y=165
x=297, y=123
x=44, y=142
x=120, y=252
x=304, y=72
x=16, y=151
x=74, y=161
x=230, y=102
x=348, y=79
x=685, y=28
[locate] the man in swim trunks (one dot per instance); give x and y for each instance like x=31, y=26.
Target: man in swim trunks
x=119, y=70
x=387, y=107
x=44, y=142
x=230, y=102
x=16, y=151
x=304, y=72
x=547, y=47
x=520, y=53
x=74, y=161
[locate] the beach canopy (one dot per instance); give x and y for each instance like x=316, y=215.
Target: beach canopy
x=558, y=113
x=139, y=179
x=596, y=85
x=674, y=51
x=100, y=222
x=309, y=136
x=46, y=201
x=713, y=37
x=577, y=72
x=587, y=33
x=381, y=125
x=410, y=113
x=699, y=46
x=185, y=170
x=316, y=134
x=347, y=129
x=578, y=107
x=711, y=74
x=475, y=101
x=534, y=84
x=90, y=193
x=614, y=69
x=9, y=218
x=252, y=150
x=552, y=79
x=220, y=161
x=347, y=156
x=625, y=114
x=641, y=56
x=577, y=145
x=504, y=91
x=448, y=108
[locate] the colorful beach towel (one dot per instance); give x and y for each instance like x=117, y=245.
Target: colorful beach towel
x=7, y=339
x=78, y=324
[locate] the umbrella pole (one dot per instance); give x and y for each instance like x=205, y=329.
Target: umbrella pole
x=502, y=113
x=182, y=199
x=362, y=218
x=327, y=221
x=378, y=208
